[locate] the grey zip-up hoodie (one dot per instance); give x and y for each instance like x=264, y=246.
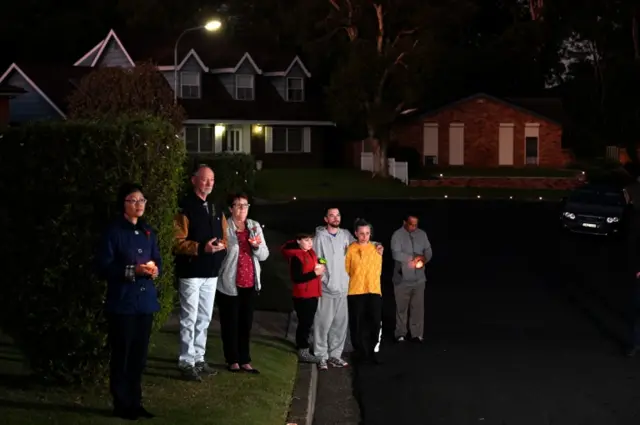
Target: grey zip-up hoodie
x=404, y=247
x=333, y=248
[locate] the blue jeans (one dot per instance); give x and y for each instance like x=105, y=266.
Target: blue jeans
x=197, y=295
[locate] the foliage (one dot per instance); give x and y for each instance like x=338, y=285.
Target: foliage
x=234, y=173
x=109, y=92
x=63, y=178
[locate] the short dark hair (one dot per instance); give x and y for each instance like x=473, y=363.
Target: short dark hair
x=407, y=216
x=304, y=235
x=326, y=210
x=232, y=198
x=125, y=190
x=361, y=222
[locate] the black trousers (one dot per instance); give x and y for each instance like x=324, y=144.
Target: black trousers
x=129, y=340
x=236, y=320
x=365, y=315
x=306, y=311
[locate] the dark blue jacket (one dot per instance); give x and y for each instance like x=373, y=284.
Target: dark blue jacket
x=125, y=245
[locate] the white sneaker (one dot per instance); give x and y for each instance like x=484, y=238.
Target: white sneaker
x=323, y=365
x=338, y=362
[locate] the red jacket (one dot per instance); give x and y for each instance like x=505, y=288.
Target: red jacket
x=301, y=268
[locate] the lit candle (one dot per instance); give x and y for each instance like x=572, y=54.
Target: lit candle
x=419, y=264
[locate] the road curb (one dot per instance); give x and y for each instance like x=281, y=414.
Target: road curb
x=303, y=402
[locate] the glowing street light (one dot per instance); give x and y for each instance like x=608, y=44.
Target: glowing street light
x=211, y=26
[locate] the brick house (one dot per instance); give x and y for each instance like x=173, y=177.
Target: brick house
x=485, y=131
x=7, y=92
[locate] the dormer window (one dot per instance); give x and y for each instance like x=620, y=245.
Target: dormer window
x=295, y=89
x=190, y=85
x=245, y=87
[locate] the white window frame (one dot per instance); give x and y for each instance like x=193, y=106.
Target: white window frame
x=199, y=128
x=289, y=90
x=197, y=87
x=252, y=86
x=287, y=150
x=234, y=149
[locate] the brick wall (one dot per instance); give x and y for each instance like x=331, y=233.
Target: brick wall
x=482, y=118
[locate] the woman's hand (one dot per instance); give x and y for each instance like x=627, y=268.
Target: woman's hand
x=255, y=242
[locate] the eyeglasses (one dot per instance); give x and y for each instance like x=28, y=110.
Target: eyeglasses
x=242, y=206
x=136, y=201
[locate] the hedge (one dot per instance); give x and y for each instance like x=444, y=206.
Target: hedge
x=59, y=181
x=234, y=172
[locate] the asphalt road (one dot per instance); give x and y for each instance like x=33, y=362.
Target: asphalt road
x=524, y=325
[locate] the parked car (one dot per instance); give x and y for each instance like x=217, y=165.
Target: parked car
x=596, y=209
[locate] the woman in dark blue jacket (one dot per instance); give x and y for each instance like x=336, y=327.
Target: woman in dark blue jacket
x=129, y=259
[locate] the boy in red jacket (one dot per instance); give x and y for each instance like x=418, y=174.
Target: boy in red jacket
x=306, y=274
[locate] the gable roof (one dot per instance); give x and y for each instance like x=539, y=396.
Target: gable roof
x=286, y=72
x=245, y=57
x=15, y=68
x=549, y=109
x=111, y=36
x=89, y=53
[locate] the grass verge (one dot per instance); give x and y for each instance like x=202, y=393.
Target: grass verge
x=229, y=399
x=276, y=282
x=286, y=184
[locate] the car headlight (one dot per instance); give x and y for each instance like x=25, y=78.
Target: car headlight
x=569, y=215
x=612, y=220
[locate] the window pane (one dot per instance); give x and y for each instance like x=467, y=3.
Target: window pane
x=206, y=139
x=245, y=94
x=190, y=79
x=245, y=81
x=294, y=139
x=190, y=92
x=295, y=95
x=294, y=83
x=279, y=143
x=191, y=138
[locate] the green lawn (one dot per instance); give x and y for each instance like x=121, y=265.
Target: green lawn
x=229, y=399
x=287, y=184
x=462, y=171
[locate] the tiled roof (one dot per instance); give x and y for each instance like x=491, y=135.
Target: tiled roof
x=217, y=103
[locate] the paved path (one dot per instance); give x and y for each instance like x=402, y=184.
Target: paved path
x=523, y=326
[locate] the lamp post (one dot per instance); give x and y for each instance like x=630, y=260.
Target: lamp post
x=211, y=26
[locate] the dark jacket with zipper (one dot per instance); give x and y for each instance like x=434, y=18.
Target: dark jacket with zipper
x=125, y=245
x=301, y=268
x=198, y=222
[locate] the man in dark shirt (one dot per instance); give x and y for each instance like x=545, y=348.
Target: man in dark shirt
x=199, y=248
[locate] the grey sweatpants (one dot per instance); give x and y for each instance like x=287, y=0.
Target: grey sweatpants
x=409, y=305
x=330, y=327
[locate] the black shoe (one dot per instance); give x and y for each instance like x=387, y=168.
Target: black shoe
x=144, y=413
x=631, y=351
x=190, y=373
x=128, y=414
x=204, y=369
x=418, y=339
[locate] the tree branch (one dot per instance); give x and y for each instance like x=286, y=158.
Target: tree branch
x=380, y=18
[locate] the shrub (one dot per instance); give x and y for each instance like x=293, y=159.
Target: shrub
x=112, y=91
x=234, y=173
x=62, y=178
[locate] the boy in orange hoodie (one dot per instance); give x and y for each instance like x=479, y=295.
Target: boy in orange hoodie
x=364, y=267
x=306, y=272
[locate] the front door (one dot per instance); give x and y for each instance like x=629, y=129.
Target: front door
x=234, y=140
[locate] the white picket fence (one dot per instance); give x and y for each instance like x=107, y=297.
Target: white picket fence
x=398, y=170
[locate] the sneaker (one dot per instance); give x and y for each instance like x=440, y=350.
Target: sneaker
x=338, y=362
x=418, y=339
x=400, y=339
x=204, y=369
x=190, y=373
x=323, y=365
x=304, y=356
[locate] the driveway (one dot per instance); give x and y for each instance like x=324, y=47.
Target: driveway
x=523, y=324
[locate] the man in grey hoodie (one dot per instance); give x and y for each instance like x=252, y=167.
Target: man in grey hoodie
x=411, y=252
x=331, y=321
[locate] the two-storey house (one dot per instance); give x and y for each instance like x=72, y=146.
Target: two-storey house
x=237, y=99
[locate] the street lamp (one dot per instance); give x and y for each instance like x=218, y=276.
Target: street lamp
x=211, y=26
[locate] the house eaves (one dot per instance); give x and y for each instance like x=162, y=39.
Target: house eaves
x=246, y=56
x=16, y=68
x=192, y=53
x=105, y=43
x=286, y=72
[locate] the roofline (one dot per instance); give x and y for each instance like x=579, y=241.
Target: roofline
x=244, y=57
x=261, y=122
x=489, y=97
x=193, y=53
x=105, y=42
x=96, y=47
x=15, y=67
x=286, y=72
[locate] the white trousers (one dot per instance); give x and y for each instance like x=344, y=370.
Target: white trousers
x=197, y=295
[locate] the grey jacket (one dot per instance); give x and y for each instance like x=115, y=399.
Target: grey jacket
x=333, y=248
x=229, y=268
x=404, y=247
